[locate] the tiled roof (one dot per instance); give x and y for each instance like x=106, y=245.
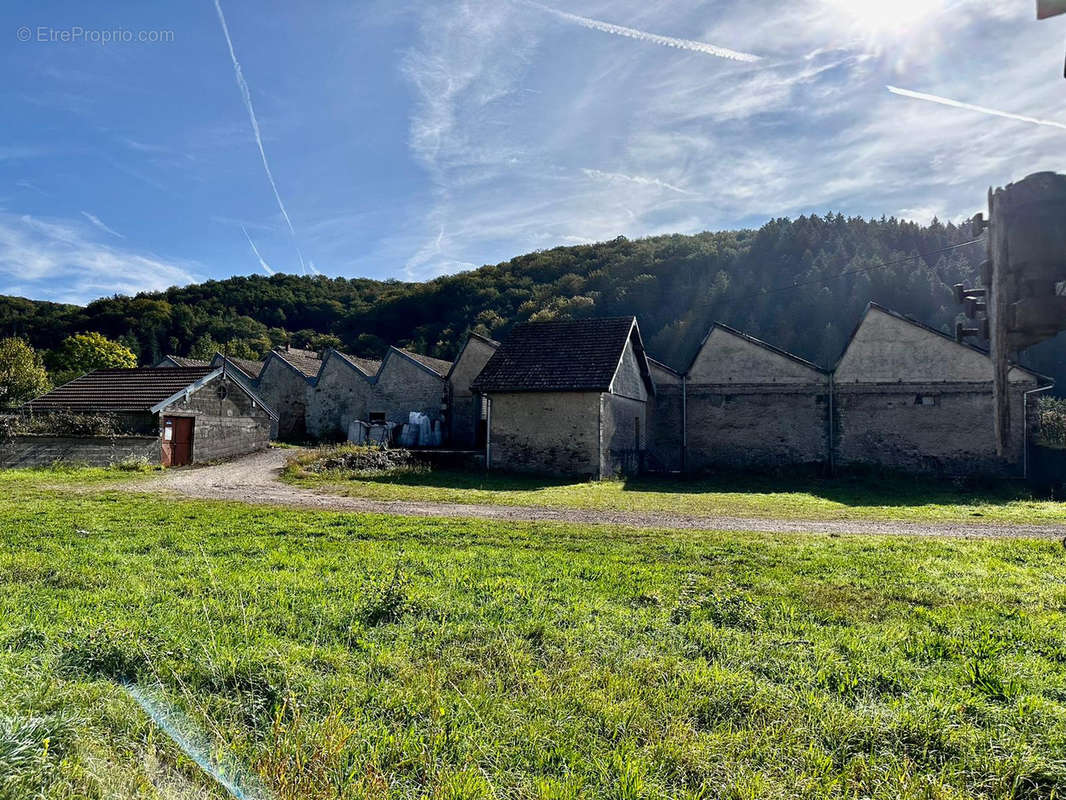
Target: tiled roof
x=247, y=366
x=306, y=362
x=367, y=366
x=437, y=365
x=182, y=361
x=558, y=356
x=119, y=389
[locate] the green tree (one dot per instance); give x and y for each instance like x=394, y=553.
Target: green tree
x=84, y=352
x=205, y=348
x=22, y=373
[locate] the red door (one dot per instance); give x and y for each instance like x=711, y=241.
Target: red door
x=177, y=441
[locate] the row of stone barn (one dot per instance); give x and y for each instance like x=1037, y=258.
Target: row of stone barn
x=583, y=397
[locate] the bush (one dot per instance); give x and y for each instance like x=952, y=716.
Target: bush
x=68, y=423
x=1051, y=422
x=359, y=459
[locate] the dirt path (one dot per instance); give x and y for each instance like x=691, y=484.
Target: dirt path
x=254, y=479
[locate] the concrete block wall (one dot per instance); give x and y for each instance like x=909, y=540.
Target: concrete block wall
x=404, y=386
x=464, y=407
x=223, y=428
x=94, y=451
x=756, y=426
x=341, y=394
x=547, y=432
x=942, y=428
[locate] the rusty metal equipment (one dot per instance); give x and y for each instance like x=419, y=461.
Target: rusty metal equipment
x=1022, y=301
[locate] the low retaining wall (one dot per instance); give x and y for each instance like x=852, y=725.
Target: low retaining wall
x=94, y=451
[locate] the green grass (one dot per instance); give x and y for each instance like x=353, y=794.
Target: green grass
x=802, y=497
x=340, y=655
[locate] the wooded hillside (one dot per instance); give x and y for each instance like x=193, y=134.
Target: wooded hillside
x=676, y=285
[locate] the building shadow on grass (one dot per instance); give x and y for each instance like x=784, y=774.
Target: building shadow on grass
x=857, y=488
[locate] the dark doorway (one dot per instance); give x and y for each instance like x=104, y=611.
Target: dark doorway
x=177, y=441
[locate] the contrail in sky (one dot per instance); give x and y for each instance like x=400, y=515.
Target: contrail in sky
x=262, y=263
x=654, y=38
x=944, y=101
x=247, y=96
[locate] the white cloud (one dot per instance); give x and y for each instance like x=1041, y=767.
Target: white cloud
x=95, y=220
x=59, y=260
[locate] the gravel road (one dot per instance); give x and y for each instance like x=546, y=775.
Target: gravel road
x=254, y=479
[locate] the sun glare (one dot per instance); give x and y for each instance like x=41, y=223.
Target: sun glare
x=881, y=19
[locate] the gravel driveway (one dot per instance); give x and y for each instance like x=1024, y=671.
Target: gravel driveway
x=254, y=479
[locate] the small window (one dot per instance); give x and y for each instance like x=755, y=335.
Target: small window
x=377, y=417
x=926, y=400
x=223, y=391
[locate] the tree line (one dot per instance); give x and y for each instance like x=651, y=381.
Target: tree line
x=782, y=282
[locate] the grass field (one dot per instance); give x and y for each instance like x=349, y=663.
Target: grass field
x=337, y=655
x=805, y=497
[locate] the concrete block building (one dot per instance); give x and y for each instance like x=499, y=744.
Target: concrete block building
x=909, y=397
x=749, y=404
x=342, y=391
x=568, y=397
x=283, y=382
x=409, y=382
x=172, y=416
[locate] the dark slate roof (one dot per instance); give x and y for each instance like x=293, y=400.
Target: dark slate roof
x=306, y=362
x=182, y=361
x=367, y=366
x=557, y=356
x=437, y=365
x=119, y=389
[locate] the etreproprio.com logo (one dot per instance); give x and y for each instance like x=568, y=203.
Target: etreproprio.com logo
x=76, y=34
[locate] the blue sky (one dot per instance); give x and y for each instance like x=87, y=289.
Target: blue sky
x=410, y=140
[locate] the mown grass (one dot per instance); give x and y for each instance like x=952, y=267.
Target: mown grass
x=344, y=656
x=877, y=497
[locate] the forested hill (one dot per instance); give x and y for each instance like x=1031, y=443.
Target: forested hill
x=676, y=285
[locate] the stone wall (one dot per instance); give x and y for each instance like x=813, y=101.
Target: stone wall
x=756, y=426
x=94, y=451
x=464, y=407
x=664, y=429
x=223, y=428
x=340, y=395
x=285, y=391
x=404, y=386
x=940, y=428
x=553, y=432
x=624, y=435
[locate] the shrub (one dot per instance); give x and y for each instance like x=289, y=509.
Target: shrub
x=359, y=459
x=1051, y=422
x=385, y=600
x=69, y=423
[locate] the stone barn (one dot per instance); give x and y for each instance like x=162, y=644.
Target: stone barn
x=911, y=398
x=171, y=416
x=467, y=410
x=751, y=405
x=569, y=398
x=283, y=382
x=343, y=391
x=408, y=382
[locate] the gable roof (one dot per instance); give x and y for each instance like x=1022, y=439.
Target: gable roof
x=246, y=365
x=181, y=361
x=757, y=342
x=484, y=339
x=437, y=366
x=562, y=356
x=368, y=367
x=119, y=389
x=872, y=306
x=302, y=361
x=192, y=388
